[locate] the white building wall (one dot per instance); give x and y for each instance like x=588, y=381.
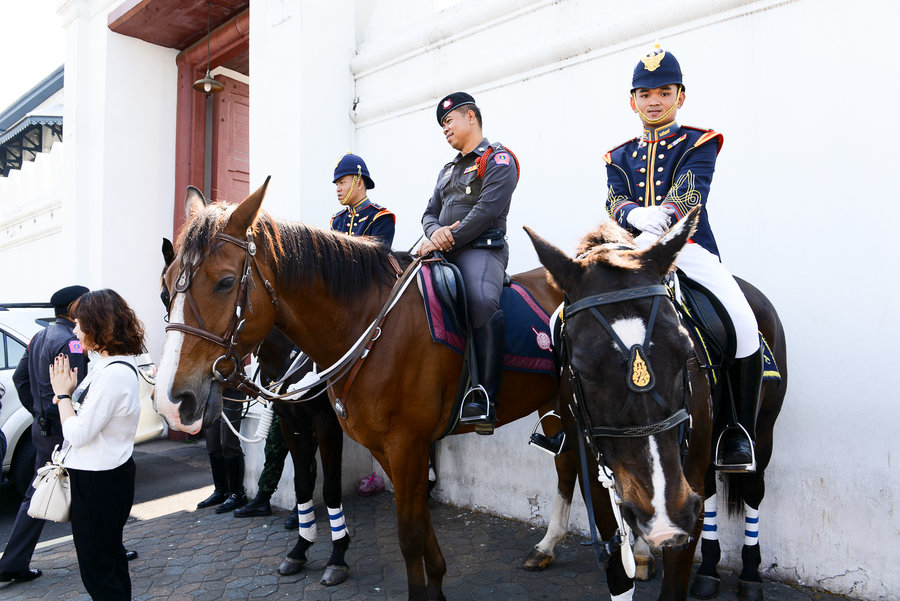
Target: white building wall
x=118, y=176
x=790, y=84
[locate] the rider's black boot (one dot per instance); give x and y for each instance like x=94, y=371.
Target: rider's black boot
x=259, y=506
x=489, y=346
x=220, y=481
x=746, y=381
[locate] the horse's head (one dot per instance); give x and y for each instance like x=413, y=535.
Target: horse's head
x=627, y=353
x=216, y=286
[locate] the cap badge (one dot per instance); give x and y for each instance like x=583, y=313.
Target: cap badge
x=447, y=103
x=652, y=60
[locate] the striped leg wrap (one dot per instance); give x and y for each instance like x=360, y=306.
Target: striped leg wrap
x=710, y=519
x=751, y=526
x=338, y=527
x=307, y=519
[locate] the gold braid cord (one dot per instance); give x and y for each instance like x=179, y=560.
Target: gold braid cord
x=684, y=194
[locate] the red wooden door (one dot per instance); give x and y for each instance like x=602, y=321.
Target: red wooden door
x=231, y=142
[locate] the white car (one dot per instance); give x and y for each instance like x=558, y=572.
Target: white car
x=18, y=323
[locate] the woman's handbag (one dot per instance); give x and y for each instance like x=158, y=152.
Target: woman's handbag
x=52, y=498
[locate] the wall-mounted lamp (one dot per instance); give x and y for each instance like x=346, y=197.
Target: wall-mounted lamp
x=207, y=84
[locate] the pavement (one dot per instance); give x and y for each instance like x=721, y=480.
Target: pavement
x=199, y=555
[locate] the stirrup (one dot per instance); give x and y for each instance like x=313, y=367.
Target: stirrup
x=735, y=468
x=552, y=445
x=474, y=419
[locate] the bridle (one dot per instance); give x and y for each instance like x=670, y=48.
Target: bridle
x=229, y=340
x=640, y=379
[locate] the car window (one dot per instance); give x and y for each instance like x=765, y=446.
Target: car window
x=14, y=351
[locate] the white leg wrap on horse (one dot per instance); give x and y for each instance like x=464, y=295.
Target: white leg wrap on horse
x=307, y=518
x=558, y=526
x=710, y=519
x=751, y=526
x=338, y=527
x=626, y=596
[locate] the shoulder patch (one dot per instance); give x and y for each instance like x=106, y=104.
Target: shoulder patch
x=615, y=148
x=75, y=347
x=608, y=157
x=383, y=213
x=710, y=135
x=501, y=158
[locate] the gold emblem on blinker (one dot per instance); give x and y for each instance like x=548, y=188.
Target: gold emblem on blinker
x=640, y=374
x=652, y=60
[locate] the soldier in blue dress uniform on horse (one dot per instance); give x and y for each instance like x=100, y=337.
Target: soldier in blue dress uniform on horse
x=360, y=216
x=653, y=181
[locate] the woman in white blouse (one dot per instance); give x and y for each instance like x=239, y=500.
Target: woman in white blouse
x=99, y=420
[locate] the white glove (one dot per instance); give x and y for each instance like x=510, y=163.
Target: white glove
x=651, y=219
x=309, y=378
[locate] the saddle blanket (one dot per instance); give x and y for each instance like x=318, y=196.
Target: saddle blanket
x=528, y=346
x=770, y=368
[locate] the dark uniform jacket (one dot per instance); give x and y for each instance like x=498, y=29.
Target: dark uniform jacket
x=478, y=203
x=671, y=166
x=32, y=375
x=365, y=219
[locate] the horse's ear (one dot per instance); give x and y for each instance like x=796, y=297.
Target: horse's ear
x=565, y=271
x=168, y=251
x=662, y=254
x=194, y=201
x=245, y=213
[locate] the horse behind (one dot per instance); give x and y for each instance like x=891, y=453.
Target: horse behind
x=305, y=426
x=642, y=398
x=239, y=272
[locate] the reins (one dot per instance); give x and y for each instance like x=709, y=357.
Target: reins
x=351, y=361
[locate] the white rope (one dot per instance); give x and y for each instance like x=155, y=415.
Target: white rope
x=606, y=478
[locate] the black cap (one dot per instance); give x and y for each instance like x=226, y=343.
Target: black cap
x=64, y=297
x=452, y=102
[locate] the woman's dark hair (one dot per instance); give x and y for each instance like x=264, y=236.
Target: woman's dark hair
x=108, y=323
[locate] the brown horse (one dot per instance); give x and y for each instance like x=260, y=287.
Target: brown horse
x=642, y=394
x=239, y=272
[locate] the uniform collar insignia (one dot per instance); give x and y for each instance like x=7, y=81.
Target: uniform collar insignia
x=363, y=204
x=660, y=133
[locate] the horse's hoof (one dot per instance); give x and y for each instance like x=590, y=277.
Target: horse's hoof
x=750, y=591
x=705, y=587
x=644, y=567
x=334, y=575
x=291, y=566
x=537, y=560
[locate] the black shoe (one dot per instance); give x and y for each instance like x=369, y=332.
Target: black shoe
x=21, y=576
x=736, y=450
x=258, y=507
x=217, y=498
x=292, y=522
x=131, y=555
x=235, y=501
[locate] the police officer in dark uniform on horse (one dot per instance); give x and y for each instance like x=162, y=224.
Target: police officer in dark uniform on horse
x=361, y=216
x=655, y=180
x=32, y=381
x=466, y=219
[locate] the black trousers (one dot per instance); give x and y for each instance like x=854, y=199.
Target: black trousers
x=101, y=502
x=219, y=437
x=26, y=530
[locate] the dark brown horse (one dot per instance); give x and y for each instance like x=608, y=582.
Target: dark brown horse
x=635, y=406
x=239, y=272
x=306, y=427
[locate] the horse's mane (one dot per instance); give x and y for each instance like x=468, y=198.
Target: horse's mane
x=349, y=266
x=609, y=244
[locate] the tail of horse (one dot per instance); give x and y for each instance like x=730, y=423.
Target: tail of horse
x=733, y=492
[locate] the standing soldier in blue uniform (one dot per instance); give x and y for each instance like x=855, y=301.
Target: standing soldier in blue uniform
x=32, y=381
x=466, y=219
x=360, y=217
x=655, y=180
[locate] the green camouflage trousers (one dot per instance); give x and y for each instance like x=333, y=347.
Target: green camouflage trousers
x=276, y=451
